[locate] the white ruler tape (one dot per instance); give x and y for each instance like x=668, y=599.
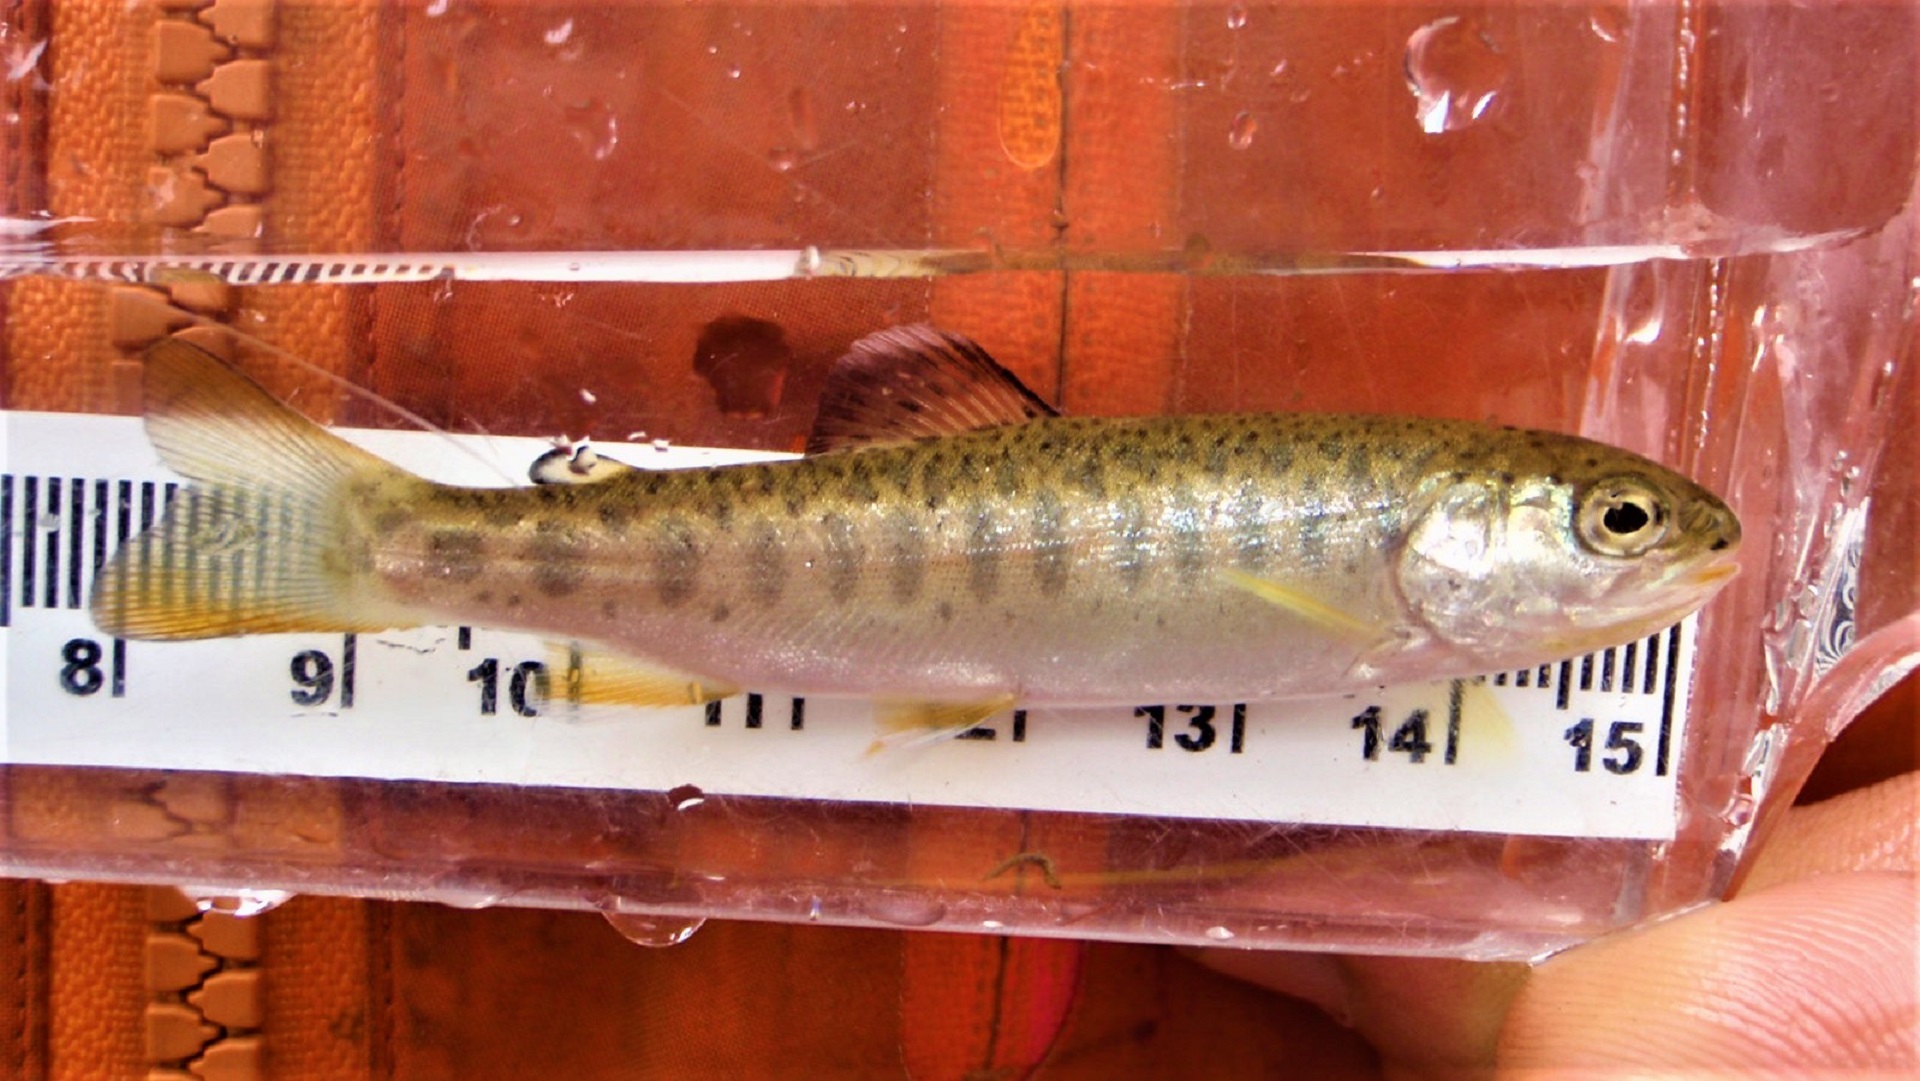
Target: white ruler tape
x=1587, y=747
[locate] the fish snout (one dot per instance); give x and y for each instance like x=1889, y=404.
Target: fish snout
x=1715, y=524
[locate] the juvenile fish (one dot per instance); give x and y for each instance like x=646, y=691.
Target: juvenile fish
x=949, y=547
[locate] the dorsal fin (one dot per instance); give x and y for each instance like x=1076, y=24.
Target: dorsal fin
x=906, y=383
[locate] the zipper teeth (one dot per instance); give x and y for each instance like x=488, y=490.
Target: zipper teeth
x=205, y=993
x=210, y=102
x=209, y=106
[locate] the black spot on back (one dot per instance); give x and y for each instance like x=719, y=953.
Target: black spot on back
x=390, y=518
x=933, y=480
x=615, y=515
x=1090, y=477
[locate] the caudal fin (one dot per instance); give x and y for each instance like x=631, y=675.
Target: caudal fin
x=259, y=543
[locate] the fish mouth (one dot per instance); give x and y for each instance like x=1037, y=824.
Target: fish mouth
x=1713, y=575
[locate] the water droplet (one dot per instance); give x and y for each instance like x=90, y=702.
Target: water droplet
x=654, y=931
x=685, y=797
x=1240, y=133
x=435, y=9
x=1236, y=15
x=733, y=71
x=23, y=58
x=1454, y=72
x=559, y=34
x=241, y=903
x=662, y=445
x=713, y=50
x=1642, y=312
x=1218, y=933
x=472, y=900
x=1607, y=23
x=904, y=909
x=814, y=907
x=1760, y=751
x=1740, y=810
x=588, y=396
x=992, y=925
x=783, y=159
x=1279, y=69
x=596, y=127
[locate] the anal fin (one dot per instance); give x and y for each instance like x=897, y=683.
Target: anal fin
x=904, y=723
x=589, y=676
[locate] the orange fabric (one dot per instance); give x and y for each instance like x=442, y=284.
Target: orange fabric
x=324, y=989
x=96, y=996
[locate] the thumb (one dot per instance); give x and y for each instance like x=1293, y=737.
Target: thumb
x=1814, y=973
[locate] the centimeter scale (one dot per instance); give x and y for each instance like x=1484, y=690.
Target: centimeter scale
x=1586, y=747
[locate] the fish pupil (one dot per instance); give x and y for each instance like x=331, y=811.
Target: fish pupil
x=1625, y=519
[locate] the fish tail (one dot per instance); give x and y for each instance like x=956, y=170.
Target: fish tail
x=261, y=541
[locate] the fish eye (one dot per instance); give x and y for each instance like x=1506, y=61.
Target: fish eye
x=1622, y=518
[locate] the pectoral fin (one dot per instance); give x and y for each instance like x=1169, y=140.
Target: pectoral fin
x=591, y=677
x=1486, y=727
x=1308, y=608
x=913, y=724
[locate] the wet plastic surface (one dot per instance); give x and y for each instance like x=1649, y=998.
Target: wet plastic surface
x=1685, y=229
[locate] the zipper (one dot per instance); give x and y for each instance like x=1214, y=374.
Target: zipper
x=209, y=108
x=205, y=993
